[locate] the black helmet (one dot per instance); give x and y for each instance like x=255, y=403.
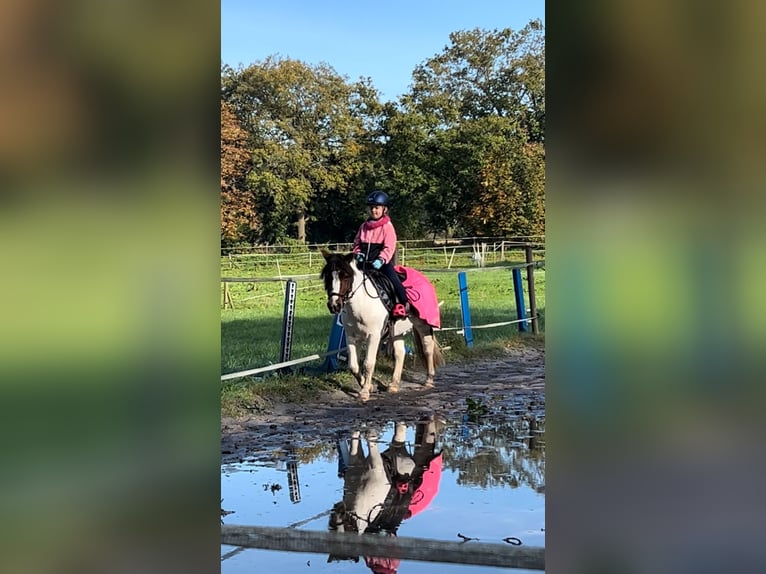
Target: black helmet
x=377, y=198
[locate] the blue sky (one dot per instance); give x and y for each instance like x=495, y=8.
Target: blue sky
x=383, y=40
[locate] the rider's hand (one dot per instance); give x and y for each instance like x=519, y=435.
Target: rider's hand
x=360, y=258
x=377, y=264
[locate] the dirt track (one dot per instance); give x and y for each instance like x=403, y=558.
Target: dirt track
x=521, y=370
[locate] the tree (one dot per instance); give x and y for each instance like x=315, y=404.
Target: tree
x=480, y=111
x=485, y=73
x=307, y=130
x=462, y=153
x=405, y=170
x=237, y=206
x=510, y=195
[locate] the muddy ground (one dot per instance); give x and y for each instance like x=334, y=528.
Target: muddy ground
x=279, y=425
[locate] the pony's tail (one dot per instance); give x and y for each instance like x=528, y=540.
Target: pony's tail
x=421, y=352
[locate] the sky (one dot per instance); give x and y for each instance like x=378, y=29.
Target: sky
x=383, y=40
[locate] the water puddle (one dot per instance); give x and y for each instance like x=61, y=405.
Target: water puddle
x=482, y=479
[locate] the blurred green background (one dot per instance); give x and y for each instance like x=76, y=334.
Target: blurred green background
x=109, y=336
x=655, y=329
x=655, y=322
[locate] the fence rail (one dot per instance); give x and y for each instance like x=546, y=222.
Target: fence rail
x=420, y=253
x=517, y=241
x=352, y=544
x=525, y=316
x=315, y=276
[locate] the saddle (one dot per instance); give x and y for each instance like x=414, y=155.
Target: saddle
x=383, y=286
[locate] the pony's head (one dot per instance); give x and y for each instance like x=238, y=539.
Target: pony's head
x=338, y=276
x=342, y=521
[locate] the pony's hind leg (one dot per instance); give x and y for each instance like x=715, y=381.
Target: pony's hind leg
x=399, y=353
x=429, y=344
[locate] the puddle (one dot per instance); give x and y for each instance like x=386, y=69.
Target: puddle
x=491, y=487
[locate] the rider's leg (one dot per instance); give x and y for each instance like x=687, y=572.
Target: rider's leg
x=401, y=293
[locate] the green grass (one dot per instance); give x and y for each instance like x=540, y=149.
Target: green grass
x=251, y=332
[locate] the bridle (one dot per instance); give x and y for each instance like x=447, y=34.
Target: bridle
x=346, y=291
x=346, y=283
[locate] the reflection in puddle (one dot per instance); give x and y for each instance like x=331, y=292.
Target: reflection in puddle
x=480, y=479
x=381, y=489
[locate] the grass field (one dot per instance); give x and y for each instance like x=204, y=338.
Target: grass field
x=251, y=331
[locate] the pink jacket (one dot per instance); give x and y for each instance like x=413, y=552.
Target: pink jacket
x=382, y=232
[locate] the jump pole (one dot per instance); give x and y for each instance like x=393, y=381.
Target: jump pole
x=465, y=310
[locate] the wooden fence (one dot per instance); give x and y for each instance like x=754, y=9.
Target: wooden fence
x=352, y=544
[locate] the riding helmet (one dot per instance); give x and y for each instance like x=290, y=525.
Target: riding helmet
x=377, y=198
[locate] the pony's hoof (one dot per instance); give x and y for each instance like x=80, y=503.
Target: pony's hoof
x=429, y=385
x=371, y=435
x=393, y=389
x=364, y=396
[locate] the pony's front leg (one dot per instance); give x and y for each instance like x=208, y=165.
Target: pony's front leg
x=374, y=457
x=353, y=359
x=354, y=450
x=399, y=353
x=373, y=341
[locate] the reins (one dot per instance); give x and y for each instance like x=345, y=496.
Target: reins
x=374, y=295
x=344, y=297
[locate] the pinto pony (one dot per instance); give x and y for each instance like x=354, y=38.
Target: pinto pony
x=352, y=293
x=381, y=489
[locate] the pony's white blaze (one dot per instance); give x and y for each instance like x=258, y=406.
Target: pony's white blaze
x=365, y=318
x=334, y=301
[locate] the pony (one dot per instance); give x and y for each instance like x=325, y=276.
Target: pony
x=381, y=489
x=365, y=318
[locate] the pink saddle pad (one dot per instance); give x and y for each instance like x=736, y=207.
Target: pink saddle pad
x=421, y=295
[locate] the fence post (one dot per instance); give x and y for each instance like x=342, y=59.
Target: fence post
x=288, y=318
x=531, y=288
x=465, y=310
x=518, y=293
x=227, y=302
x=293, y=484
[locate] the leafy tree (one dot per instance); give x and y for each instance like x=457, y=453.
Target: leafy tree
x=462, y=154
x=407, y=177
x=485, y=73
x=308, y=131
x=480, y=111
x=238, y=218
x=510, y=178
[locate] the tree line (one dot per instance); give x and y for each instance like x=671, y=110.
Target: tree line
x=462, y=153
